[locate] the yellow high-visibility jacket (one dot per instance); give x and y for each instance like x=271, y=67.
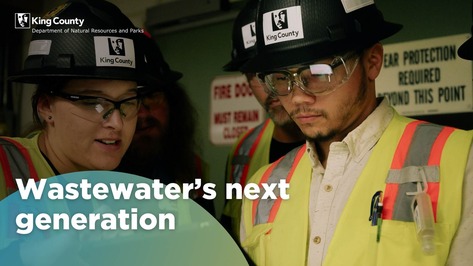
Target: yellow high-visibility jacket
x=281, y=236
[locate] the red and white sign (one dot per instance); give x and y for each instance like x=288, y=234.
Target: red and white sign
x=233, y=109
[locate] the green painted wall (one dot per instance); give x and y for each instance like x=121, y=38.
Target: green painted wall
x=199, y=54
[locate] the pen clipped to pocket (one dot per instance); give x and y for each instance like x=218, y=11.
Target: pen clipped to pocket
x=376, y=210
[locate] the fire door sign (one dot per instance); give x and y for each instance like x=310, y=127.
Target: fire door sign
x=234, y=109
x=427, y=76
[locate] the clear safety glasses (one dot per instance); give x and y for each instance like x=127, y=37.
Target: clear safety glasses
x=314, y=79
x=98, y=109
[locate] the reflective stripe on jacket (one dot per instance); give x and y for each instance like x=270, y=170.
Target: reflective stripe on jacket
x=249, y=153
x=21, y=158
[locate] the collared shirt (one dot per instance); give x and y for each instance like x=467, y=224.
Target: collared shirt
x=331, y=187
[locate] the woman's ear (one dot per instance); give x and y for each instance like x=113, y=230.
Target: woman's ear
x=44, y=108
x=373, y=57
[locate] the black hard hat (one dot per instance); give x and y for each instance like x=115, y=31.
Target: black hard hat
x=466, y=49
x=158, y=68
x=105, y=46
x=291, y=32
x=243, y=37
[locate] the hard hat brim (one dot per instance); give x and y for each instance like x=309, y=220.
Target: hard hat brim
x=42, y=75
x=234, y=65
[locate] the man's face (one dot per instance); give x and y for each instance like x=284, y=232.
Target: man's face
x=331, y=116
x=280, y=20
x=270, y=103
x=153, y=121
x=22, y=19
x=282, y=16
x=120, y=43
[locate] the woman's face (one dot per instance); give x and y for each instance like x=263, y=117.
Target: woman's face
x=89, y=134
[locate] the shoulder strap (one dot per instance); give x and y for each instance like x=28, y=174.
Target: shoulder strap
x=244, y=152
x=265, y=210
x=16, y=163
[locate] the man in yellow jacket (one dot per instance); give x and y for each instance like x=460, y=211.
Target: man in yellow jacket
x=370, y=187
x=265, y=143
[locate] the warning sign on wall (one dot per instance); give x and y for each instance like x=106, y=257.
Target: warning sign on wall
x=233, y=109
x=427, y=77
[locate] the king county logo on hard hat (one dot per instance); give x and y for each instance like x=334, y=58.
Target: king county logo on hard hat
x=113, y=51
x=282, y=25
